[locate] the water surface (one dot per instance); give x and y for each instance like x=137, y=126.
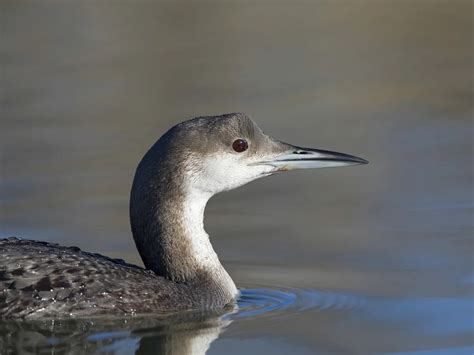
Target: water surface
x=367, y=259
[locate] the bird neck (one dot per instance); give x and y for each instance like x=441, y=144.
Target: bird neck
x=167, y=218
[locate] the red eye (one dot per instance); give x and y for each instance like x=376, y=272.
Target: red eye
x=240, y=145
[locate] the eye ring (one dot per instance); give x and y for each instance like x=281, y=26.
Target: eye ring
x=240, y=145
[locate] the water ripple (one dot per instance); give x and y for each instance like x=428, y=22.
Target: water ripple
x=268, y=301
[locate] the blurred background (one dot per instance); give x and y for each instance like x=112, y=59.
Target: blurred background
x=88, y=86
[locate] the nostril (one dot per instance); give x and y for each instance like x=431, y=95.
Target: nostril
x=301, y=152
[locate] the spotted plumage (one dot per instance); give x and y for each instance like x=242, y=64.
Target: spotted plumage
x=40, y=279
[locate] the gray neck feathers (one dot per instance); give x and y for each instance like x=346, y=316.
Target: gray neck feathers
x=167, y=221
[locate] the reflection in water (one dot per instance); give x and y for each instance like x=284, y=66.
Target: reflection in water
x=184, y=333
x=181, y=333
x=194, y=332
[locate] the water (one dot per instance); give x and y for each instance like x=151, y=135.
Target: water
x=368, y=259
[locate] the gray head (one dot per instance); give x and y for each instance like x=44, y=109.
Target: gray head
x=193, y=161
x=220, y=153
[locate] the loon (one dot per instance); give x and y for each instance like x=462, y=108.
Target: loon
x=190, y=163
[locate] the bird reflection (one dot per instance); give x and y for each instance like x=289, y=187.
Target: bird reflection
x=180, y=333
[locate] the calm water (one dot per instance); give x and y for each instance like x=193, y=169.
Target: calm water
x=368, y=259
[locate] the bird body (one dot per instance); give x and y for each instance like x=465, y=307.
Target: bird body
x=189, y=164
x=40, y=279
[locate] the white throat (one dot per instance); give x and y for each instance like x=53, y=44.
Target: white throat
x=201, y=248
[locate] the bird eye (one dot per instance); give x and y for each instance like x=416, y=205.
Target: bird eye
x=240, y=145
